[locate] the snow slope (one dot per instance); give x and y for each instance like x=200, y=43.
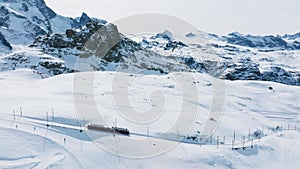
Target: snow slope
x=249, y=105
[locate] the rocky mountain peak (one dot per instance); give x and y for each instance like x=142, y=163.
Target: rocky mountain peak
x=83, y=19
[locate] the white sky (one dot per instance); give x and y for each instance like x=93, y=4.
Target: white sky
x=214, y=16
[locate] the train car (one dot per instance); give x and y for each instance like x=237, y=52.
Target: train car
x=114, y=130
x=121, y=130
x=98, y=127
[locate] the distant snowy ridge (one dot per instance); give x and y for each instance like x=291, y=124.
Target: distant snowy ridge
x=266, y=43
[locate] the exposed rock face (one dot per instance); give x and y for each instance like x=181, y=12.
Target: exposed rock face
x=99, y=46
x=245, y=69
x=94, y=39
x=279, y=75
x=4, y=45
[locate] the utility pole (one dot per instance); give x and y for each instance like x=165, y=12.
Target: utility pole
x=249, y=134
x=21, y=112
x=210, y=137
x=47, y=119
x=52, y=115
x=177, y=133
x=244, y=142
x=234, y=135
x=148, y=132
x=14, y=114
x=200, y=140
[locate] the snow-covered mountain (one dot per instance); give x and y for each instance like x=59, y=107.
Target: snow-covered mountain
x=58, y=75
x=99, y=46
x=21, y=21
x=85, y=44
x=230, y=60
